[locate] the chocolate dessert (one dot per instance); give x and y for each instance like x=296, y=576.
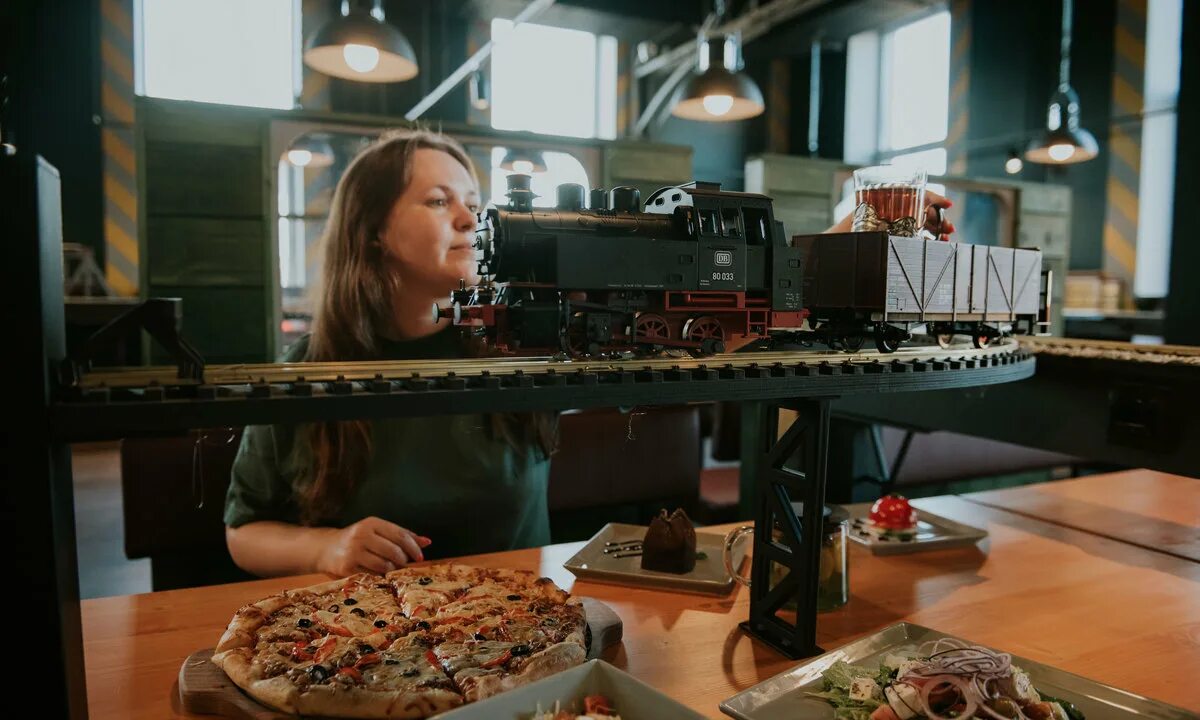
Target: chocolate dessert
x=670, y=544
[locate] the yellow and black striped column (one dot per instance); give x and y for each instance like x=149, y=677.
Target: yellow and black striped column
x=121, y=255
x=1125, y=144
x=960, y=84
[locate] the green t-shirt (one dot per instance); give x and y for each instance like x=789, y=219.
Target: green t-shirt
x=442, y=476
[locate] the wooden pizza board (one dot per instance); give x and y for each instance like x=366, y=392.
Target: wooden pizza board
x=204, y=689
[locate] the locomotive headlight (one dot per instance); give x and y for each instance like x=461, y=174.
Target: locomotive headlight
x=718, y=104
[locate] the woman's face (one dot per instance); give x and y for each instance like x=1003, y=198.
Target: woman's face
x=429, y=236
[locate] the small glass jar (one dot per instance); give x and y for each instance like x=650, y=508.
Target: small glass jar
x=833, y=584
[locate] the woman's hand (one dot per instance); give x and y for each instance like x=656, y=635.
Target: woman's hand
x=934, y=202
x=371, y=545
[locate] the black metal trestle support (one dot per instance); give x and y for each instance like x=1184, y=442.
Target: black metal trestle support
x=781, y=538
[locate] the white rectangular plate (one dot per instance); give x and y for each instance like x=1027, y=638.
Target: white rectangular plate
x=631, y=698
x=934, y=532
x=707, y=577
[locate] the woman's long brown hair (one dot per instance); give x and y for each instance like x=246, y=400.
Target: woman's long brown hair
x=354, y=310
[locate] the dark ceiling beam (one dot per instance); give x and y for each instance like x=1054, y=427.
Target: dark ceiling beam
x=836, y=22
x=628, y=21
x=752, y=24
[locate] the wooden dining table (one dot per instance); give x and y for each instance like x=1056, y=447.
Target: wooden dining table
x=1154, y=510
x=1096, y=606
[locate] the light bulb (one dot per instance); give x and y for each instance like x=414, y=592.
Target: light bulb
x=717, y=104
x=360, y=58
x=1061, y=152
x=522, y=166
x=1013, y=165
x=299, y=158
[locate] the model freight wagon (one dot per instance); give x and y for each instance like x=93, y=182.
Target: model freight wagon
x=856, y=284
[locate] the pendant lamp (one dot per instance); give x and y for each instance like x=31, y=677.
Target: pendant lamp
x=523, y=161
x=1064, y=142
x=718, y=91
x=311, y=150
x=360, y=45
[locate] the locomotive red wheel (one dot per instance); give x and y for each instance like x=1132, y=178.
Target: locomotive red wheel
x=703, y=328
x=649, y=327
x=707, y=331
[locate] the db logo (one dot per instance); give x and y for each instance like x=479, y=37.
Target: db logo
x=723, y=258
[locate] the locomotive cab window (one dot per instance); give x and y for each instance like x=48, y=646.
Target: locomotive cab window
x=710, y=221
x=732, y=222
x=755, y=221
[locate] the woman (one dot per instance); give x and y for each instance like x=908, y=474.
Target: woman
x=344, y=497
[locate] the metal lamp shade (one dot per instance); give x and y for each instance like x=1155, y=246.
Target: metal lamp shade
x=717, y=81
x=533, y=157
x=718, y=76
x=1084, y=144
x=314, y=151
x=1051, y=148
x=324, y=49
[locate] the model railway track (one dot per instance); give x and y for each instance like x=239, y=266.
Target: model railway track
x=404, y=370
x=1113, y=350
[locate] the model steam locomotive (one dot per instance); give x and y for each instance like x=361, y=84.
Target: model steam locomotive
x=706, y=271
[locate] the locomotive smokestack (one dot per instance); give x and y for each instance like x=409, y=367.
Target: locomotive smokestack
x=570, y=196
x=626, y=199
x=599, y=199
x=520, y=197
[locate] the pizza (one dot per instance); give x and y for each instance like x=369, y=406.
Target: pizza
x=409, y=644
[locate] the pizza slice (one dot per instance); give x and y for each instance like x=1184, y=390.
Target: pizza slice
x=482, y=668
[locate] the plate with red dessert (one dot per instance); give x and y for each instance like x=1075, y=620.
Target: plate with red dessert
x=891, y=525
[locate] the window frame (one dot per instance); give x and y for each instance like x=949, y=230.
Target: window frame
x=604, y=120
x=868, y=93
x=296, y=64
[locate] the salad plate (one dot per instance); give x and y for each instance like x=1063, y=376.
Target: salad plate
x=790, y=695
x=932, y=532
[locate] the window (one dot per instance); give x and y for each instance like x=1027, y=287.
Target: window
x=581, y=78
x=219, y=51
x=898, y=95
x=560, y=168
x=1156, y=182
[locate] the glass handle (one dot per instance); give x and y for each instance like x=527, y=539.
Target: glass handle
x=727, y=552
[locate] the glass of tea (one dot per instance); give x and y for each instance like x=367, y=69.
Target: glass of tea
x=889, y=198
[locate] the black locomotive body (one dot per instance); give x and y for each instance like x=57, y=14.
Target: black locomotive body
x=699, y=269
x=706, y=270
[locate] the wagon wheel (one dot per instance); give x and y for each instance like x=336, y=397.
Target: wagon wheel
x=943, y=333
x=707, y=331
x=981, y=340
x=649, y=327
x=886, y=342
x=853, y=343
